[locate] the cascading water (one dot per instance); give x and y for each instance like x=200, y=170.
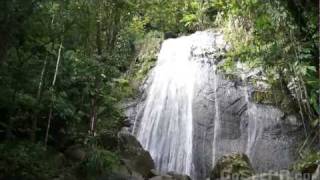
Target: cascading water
x=192, y=114
x=166, y=127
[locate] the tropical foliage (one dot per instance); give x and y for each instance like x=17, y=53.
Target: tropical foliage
x=66, y=65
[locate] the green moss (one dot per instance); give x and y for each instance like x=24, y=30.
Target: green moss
x=147, y=53
x=230, y=165
x=276, y=97
x=145, y=67
x=123, y=88
x=265, y=97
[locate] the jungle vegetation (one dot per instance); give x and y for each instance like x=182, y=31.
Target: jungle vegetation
x=65, y=67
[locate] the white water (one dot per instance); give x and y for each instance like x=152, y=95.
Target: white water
x=166, y=127
x=169, y=121
x=217, y=122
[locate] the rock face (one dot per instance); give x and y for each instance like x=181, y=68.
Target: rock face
x=134, y=156
x=232, y=166
x=225, y=119
x=316, y=175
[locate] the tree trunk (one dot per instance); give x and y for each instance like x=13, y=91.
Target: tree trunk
x=52, y=95
x=93, y=116
x=94, y=104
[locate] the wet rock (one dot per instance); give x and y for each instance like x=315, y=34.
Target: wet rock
x=232, y=165
x=134, y=156
x=223, y=110
x=127, y=141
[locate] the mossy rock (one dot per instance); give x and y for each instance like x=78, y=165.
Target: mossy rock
x=232, y=165
x=148, y=49
x=134, y=156
x=276, y=98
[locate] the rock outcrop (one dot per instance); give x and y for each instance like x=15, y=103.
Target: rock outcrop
x=227, y=119
x=134, y=156
x=233, y=166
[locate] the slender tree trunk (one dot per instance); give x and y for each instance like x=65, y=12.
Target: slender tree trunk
x=52, y=95
x=39, y=92
x=94, y=104
x=93, y=116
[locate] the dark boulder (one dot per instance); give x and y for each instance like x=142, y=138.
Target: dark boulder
x=134, y=156
x=128, y=141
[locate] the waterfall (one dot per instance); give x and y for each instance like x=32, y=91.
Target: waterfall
x=166, y=125
x=191, y=114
